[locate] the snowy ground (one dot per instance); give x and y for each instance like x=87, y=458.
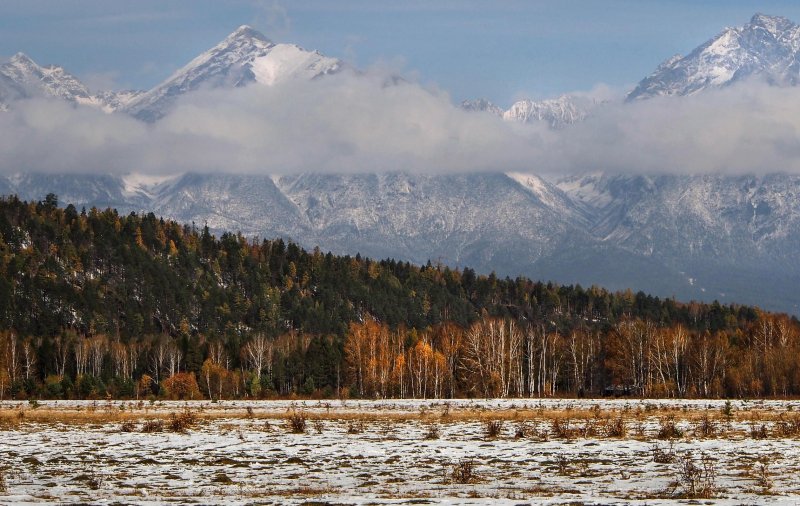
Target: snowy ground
x=359, y=452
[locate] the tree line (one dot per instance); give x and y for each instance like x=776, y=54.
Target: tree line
x=94, y=304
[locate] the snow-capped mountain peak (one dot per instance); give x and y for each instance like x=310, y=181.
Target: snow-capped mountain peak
x=21, y=77
x=557, y=113
x=775, y=25
x=24, y=78
x=243, y=57
x=245, y=32
x=768, y=47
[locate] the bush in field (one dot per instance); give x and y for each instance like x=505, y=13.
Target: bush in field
x=763, y=476
x=705, y=427
x=153, y=426
x=297, y=423
x=563, y=464
x=697, y=481
x=661, y=456
x=494, y=428
x=355, y=427
x=128, y=426
x=758, y=431
x=727, y=410
x=463, y=471
x=432, y=432
x=522, y=430
x=668, y=429
x=616, y=428
x=560, y=428
x=181, y=423
x=788, y=426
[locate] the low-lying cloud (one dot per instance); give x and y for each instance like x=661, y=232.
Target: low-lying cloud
x=746, y=128
x=358, y=123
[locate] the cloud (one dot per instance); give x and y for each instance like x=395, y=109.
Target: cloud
x=343, y=123
x=272, y=15
x=357, y=123
x=747, y=128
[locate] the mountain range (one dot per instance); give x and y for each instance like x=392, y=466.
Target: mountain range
x=731, y=238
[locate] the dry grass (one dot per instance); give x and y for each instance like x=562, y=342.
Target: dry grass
x=566, y=423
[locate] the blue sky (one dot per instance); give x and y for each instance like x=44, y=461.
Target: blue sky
x=501, y=50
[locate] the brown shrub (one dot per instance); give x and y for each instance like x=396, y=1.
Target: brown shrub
x=355, y=427
x=561, y=429
x=697, y=481
x=705, y=427
x=661, y=456
x=181, y=423
x=668, y=429
x=153, y=426
x=432, y=432
x=463, y=471
x=493, y=428
x=616, y=428
x=758, y=431
x=297, y=423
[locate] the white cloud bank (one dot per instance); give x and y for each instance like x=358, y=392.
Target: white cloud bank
x=356, y=123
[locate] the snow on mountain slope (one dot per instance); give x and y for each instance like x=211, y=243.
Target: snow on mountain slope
x=707, y=218
x=557, y=113
x=553, y=197
x=456, y=218
x=243, y=57
x=21, y=77
x=287, y=61
x=766, y=48
x=252, y=205
x=86, y=190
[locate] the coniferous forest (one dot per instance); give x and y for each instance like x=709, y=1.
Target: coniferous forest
x=98, y=305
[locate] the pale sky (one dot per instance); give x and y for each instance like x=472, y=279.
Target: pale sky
x=500, y=50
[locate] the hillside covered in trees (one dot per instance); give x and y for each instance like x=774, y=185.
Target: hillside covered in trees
x=96, y=305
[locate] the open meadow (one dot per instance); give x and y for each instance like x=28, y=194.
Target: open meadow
x=401, y=451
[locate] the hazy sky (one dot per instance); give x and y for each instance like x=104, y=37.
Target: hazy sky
x=501, y=50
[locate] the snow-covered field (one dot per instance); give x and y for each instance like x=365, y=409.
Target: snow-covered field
x=389, y=452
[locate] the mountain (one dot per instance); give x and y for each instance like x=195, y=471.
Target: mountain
x=727, y=236
x=731, y=238
x=557, y=113
x=485, y=221
x=21, y=77
x=482, y=105
x=245, y=56
x=766, y=48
